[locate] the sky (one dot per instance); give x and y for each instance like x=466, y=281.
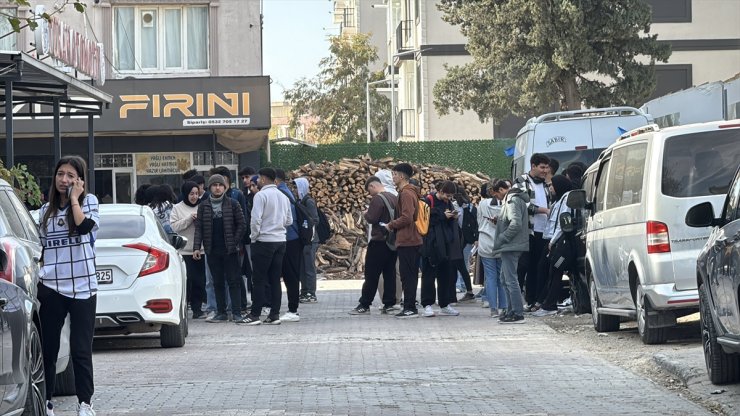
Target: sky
x=295, y=39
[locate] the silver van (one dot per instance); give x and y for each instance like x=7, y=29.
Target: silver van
x=640, y=260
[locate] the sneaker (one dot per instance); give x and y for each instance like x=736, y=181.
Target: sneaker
x=428, y=312
x=532, y=308
x=266, y=311
x=360, y=310
x=272, y=320
x=512, y=319
x=495, y=313
x=303, y=298
x=566, y=303
x=407, y=313
x=249, y=320
x=199, y=315
x=469, y=297
x=218, y=318
x=49, y=408
x=312, y=298
x=290, y=317
x=460, y=290
x=485, y=304
x=84, y=409
x=544, y=312
x=449, y=311
x=388, y=310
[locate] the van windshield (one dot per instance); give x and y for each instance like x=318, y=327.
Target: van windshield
x=700, y=164
x=566, y=158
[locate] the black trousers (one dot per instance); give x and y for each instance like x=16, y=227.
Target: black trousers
x=267, y=266
x=459, y=266
x=379, y=259
x=53, y=312
x=196, y=270
x=532, y=283
x=225, y=271
x=445, y=275
x=543, y=272
x=292, y=273
x=408, y=267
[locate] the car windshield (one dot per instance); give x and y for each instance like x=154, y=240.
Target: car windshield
x=121, y=226
x=700, y=164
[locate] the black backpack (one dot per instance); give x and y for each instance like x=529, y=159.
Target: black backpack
x=302, y=221
x=470, y=225
x=323, y=228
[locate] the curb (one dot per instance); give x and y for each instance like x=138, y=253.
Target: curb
x=684, y=372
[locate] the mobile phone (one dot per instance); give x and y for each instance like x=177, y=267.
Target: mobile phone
x=382, y=224
x=69, y=192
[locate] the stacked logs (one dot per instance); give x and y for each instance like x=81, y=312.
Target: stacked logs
x=339, y=190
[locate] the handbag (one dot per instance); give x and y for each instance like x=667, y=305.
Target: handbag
x=390, y=235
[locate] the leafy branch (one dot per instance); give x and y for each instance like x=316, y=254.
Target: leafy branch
x=23, y=182
x=18, y=24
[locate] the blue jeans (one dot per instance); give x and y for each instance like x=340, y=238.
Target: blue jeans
x=211, y=293
x=460, y=284
x=497, y=297
x=509, y=261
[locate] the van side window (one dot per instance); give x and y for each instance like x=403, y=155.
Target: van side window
x=626, y=175
x=601, y=185
x=732, y=210
x=588, y=185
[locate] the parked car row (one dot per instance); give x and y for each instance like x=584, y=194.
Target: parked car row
x=644, y=217
x=142, y=288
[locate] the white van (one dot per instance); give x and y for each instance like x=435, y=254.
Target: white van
x=640, y=255
x=573, y=136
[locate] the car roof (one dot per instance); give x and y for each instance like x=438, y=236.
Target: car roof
x=122, y=209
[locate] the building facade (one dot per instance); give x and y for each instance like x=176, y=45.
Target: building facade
x=187, y=85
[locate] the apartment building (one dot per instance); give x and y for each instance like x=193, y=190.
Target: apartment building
x=187, y=86
x=704, y=35
x=365, y=16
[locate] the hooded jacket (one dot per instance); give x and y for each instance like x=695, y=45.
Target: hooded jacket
x=292, y=229
x=408, y=203
x=386, y=178
x=512, y=227
x=303, y=187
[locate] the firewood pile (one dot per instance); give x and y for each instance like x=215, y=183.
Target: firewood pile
x=339, y=190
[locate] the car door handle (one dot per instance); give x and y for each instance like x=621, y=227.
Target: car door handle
x=3, y=303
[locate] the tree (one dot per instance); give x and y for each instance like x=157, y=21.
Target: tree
x=531, y=54
x=23, y=182
x=335, y=97
x=31, y=22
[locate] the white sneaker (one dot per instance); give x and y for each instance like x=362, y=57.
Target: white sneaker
x=290, y=317
x=428, y=312
x=449, y=311
x=542, y=312
x=85, y=409
x=49, y=408
x=485, y=304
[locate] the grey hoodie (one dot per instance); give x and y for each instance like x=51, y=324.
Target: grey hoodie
x=512, y=227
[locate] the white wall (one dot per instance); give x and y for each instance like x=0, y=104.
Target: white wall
x=710, y=19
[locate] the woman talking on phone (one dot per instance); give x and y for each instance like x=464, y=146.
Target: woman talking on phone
x=69, y=223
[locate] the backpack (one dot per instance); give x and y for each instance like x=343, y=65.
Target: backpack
x=470, y=225
x=302, y=221
x=422, y=217
x=323, y=228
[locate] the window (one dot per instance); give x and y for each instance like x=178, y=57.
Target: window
x=624, y=183
x=8, y=210
x=671, y=11
x=601, y=186
x=8, y=43
x=151, y=39
x=29, y=225
x=732, y=209
x=121, y=226
x=700, y=164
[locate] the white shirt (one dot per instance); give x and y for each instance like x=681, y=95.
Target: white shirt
x=69, y=260
x=540, y=199
x=271, y=215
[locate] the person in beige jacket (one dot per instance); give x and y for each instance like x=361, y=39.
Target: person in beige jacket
x=182, y=220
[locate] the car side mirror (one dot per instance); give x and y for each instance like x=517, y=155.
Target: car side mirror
x=701, y=215
x=179, y=242
x=576, y=199
x=566, y=222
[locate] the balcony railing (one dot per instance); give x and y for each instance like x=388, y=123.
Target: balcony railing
x=406, y=123
x=404, y=32
x=345, y=17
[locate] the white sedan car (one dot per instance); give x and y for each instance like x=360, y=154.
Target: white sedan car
x=141, y=276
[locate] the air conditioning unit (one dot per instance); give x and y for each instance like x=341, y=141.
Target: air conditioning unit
x=147, y=18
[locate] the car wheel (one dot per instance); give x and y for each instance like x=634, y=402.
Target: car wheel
x=648, y=334
x=36, y=396
x=579, y=295
x=64, y=382
x=173, y=336
x=602, y=323
x=721, y=366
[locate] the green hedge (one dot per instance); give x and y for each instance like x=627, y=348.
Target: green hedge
x=485, y=156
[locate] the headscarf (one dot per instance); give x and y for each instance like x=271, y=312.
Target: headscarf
x=302, y=186
x=386, y=178
x=562, y=185
x=185, y=189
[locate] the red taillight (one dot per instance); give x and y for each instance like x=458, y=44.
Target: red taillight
x=657, y=238
x=6, y=273
x=159, y=305
x=729, y=126
x=156, y=260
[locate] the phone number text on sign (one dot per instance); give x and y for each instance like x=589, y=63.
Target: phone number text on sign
x=200, y=122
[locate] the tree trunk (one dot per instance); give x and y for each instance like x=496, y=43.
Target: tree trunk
x=571, y=96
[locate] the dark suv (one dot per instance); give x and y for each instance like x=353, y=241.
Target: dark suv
x=22, y=382
x=718, y=277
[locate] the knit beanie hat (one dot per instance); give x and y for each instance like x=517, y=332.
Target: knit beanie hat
x=216, y=179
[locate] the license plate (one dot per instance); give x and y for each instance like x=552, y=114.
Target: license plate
x=104, y=276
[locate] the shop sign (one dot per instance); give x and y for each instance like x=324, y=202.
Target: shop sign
x=162, y=163
x=58, y=40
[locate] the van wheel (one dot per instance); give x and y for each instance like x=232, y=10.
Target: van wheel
x=173, y=336
x=36, y=394
x=579, y=295
x=648, y=334
x=64, y=382
x=602, y=323
x=721, y=366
